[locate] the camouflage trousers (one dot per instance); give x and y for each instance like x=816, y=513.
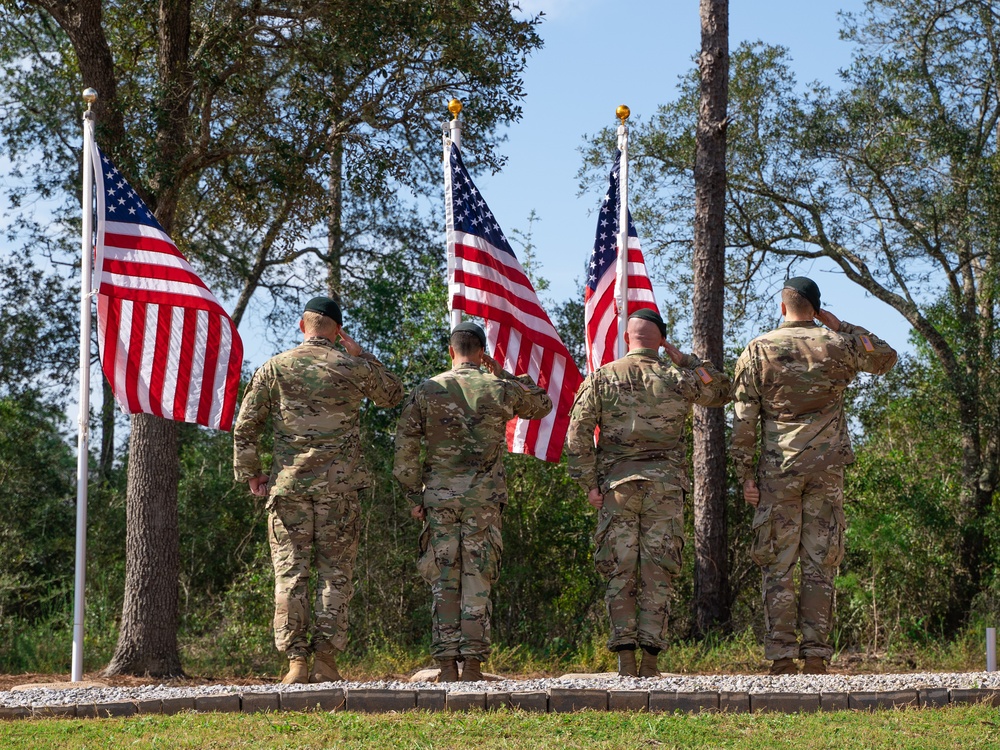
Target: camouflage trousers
x=460, y=551
x=298, y=527
x=639, y=540
x=800, y=519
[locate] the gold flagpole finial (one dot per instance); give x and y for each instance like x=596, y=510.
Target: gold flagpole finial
x=89, y=96
x=454, y=106
x=622, y=113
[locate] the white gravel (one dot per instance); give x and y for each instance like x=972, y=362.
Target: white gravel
x=832, y=683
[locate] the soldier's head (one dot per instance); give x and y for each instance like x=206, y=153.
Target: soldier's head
x=322, y=317
x=800, y=299
x=645, y=330
x=467, y=343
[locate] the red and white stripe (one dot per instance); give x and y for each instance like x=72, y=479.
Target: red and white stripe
x=167, y=346
x=601, y=311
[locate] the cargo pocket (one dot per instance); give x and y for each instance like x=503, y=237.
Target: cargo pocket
x=828, y=550
x=671, y=551
x=762, y=551
x=426, y=564
x=604, y=553
x=493, y=554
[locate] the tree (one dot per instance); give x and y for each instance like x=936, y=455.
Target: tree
x=711, y=581
x=890, y=180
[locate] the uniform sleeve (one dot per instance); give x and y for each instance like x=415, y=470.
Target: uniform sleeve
x=530, y=401
x=873, y=354
x=581, y=452
x=407, y=467
x=381, y=386
x=253, y=414
x=709, y=386
x=746, y=396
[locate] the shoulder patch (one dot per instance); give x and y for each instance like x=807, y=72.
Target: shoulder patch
x=867, y=342
x=703, y=374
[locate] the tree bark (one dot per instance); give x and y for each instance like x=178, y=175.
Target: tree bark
x=335, y=216
x=107, y=432
x=711, y=584
x=147, y=641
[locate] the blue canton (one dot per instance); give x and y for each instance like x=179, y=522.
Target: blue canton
x=605, y=252
x=471, y=213
x=121, y=202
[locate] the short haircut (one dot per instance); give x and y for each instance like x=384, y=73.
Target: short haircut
x=315, y=322
x=465, y=343
x=796, y=303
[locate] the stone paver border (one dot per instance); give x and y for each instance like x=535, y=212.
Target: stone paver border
x=554, y=700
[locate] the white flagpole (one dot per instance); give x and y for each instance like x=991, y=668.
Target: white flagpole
x=455, y=133
x=83, y=452
x=621, y=287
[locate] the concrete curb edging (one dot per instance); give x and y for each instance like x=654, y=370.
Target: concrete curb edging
x=553, y=700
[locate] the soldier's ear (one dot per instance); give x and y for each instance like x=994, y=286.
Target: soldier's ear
x=302, y=325
x=451, y=351
x=784, y=311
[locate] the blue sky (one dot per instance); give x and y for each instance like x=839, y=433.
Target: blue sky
x=601, y=53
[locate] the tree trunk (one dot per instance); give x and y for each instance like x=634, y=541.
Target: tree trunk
x=107, y=432
x=147, y=641
x=335, y=217
x=711, y=583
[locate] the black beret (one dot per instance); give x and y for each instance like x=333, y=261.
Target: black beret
x=326, y=306
x=472, y=328
x=652, y=316
x=807, y=288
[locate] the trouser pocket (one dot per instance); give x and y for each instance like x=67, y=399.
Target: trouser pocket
x=426, y=563
x=762, y=550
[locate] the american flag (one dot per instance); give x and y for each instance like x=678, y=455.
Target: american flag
x=167, y=346
x=486, y=280
x=600, y=310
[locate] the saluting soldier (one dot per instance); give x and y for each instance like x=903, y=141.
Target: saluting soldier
x=312, y=394
x=791, y=382
x=459, y=420
x=636, y=476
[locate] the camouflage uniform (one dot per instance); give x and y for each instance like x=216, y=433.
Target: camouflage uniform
x=312, y=394
x=460, y=418
x=640, y=403
x=792, y=381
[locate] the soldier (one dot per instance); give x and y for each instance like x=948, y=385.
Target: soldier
x=312, y=394
x=792, y=381
x=636, y=476
x=460, y=419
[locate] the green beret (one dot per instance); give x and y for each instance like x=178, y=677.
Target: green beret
x=652, y=316
x=472, y=328
x=807, y=288
x=326, y=306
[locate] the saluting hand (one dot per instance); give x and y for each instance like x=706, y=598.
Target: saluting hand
x=675, y=354
x=351, y=346
x=751, y=493
x=492, y=365
x=828, y=319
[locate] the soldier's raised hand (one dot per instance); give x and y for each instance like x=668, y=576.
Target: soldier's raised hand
x=828, y=319
x=351, y=346
x=676, y=355
x=492, y=365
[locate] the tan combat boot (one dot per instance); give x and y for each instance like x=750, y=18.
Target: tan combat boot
x=449, y=670
x=648, y=667
x=783, y=666
x=814, y=665
x=325, y=667
x=472, y=670
x=298, y=671
x=626, y=663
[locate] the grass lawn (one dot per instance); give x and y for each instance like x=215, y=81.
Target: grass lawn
x=966, y=727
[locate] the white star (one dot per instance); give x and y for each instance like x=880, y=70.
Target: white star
x=111, y=209
x=111, y=191
x=131, y=211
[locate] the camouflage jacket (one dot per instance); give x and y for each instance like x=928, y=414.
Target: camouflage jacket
x=460, y=419
x=640, y=403
x=792, y=381
x=313, y=393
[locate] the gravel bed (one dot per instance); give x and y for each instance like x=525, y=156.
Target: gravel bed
x=833, y=683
